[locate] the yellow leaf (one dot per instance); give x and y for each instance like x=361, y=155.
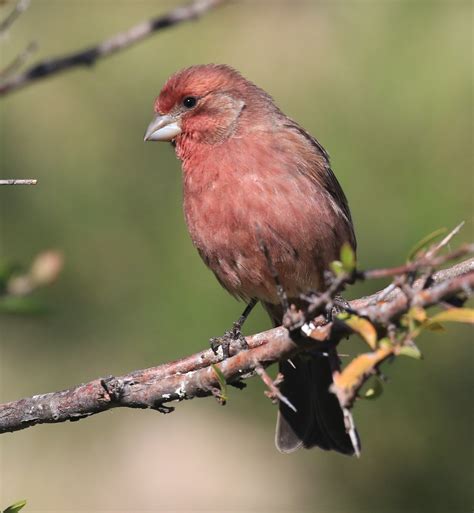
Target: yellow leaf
x=364, y=328
x=385, y=343
x=336, y=267
x=435, y=326
x=347, y=382
x=360, y=366
x=417, y=313
x=453, y=315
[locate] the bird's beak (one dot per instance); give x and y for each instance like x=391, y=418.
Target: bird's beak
x=163, y=128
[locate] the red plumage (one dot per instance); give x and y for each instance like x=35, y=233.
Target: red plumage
x=252, y=174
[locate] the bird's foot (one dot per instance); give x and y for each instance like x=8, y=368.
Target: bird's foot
x=293, y=318
x=337, y=306
x=231, y=339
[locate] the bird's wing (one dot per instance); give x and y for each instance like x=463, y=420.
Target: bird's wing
x=323, y=174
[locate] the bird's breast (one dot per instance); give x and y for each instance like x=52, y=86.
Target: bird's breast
x=237, y=202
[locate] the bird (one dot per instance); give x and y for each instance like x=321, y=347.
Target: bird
x=252, y=176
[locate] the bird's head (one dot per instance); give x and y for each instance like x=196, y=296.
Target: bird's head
x=207, y=104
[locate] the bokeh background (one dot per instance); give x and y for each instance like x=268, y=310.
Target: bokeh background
x=386, y=86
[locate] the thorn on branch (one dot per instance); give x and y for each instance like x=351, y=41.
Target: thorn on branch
x=352, y=431
x=446, y=240
x=273, y=391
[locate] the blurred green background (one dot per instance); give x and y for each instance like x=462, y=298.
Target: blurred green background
x=386, y=86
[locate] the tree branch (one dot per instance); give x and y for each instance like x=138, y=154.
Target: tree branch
x=195, y=375
x=89, y=56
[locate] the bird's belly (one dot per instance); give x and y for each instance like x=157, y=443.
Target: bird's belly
x=230, y=236
x=243, y=269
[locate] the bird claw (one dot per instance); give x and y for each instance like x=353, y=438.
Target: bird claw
x=293, y=318
x=221, y=342
x=338, y=305
x=232, y=338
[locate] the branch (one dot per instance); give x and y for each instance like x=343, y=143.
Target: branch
x=195, y=376
x=116, y=43
x=14, y=181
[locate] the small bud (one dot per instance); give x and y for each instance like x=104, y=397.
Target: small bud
x=46, y=268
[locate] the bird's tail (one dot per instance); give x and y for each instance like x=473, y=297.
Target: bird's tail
x=318, y=420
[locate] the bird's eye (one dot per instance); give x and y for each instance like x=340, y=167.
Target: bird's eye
x=189, y=102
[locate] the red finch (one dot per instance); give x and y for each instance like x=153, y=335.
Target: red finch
x=253, y=176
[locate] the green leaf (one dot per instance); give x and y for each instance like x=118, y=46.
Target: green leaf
x=22, y=305
x=411, y=351
x=385, y=343
x=336, y=267
x=415, y=317
x=362, y=327
x=14, y=508
x=348, y=259
x=453, y=315
x=373, y=389
x=424, y=243
x=222, y=383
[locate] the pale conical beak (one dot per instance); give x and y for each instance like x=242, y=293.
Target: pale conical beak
x=162, y=128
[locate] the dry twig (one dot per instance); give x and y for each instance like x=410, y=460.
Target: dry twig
x=18, y=61
x=20, y=7
x=89, y=56
x=14, y=181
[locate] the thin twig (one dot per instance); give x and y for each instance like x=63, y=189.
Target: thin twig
x=89, y=56
x=19, y=8
x=424, y=261
x=445, y=241
x=15, y=181
x=18, y=61
x=273, y=391
x=325, y=298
